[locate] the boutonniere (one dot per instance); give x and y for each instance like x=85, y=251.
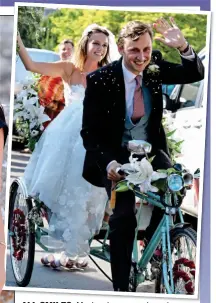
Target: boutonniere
x=153, y=69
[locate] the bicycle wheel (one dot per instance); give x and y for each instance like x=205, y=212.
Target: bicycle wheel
x=21, y=235
x=183, y=247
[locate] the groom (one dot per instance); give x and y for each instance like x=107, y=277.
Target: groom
x=123, y=101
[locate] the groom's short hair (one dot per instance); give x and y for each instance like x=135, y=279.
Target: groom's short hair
x=134, y=29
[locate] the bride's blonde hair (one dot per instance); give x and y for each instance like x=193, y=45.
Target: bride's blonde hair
x=80, y=55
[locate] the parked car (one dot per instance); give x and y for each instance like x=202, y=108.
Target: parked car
x=167, y=89
x=185, y=105
x=39, y=55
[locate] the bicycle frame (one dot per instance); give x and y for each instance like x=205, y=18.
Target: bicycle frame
x=162, y=234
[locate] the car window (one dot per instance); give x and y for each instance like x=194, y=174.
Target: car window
x=189, y=94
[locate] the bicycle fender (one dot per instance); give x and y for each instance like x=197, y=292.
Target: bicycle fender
x=20, y=182
x=181, y=225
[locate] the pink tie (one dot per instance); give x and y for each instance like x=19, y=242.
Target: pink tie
x=138, y=107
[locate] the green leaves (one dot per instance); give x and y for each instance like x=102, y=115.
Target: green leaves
x=161, y=184
x=174, y=144
x=169, y=171
x=29, y=20
x=56, y=25
x=151, y=159
x=169, y=134
x=32, y=142
x=121, y=186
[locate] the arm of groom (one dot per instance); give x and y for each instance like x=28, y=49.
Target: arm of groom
x=96, y=124
x=190, y=70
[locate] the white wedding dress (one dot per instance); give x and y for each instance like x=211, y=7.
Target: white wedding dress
x=54, y=174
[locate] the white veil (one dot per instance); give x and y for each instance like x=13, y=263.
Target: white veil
x=113, y=49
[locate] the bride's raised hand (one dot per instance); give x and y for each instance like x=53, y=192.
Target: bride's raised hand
x=54, y=69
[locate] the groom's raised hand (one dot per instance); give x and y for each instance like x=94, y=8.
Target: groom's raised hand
x=171, y=34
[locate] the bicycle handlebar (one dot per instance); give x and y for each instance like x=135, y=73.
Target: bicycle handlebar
x=120, y=171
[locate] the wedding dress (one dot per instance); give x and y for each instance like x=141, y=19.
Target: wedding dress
x=54, y=174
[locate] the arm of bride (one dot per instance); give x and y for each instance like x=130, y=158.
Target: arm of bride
x=53, y=69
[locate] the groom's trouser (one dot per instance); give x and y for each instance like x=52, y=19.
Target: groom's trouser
x=123, y=223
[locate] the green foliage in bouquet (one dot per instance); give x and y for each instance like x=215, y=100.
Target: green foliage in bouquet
x=174, y=144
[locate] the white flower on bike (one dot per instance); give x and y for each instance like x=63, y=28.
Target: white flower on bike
x=156, y=176
x=135, y=178
x=146, y=167
x=146, y=186
x=141, y=173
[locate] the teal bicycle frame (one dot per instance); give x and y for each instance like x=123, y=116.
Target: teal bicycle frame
x=162, y=234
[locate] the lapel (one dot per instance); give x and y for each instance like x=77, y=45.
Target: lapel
x=118, y=86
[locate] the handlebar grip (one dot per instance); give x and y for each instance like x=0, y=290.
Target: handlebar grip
x=120, y=171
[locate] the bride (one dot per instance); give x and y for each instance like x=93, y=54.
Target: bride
x=54, y=173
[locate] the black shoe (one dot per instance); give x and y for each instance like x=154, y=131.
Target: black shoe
x=121, y=289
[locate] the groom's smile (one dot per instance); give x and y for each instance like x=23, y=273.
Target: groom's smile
x=136, y=53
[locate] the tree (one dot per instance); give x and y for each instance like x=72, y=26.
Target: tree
x=29, y=24
x=70, y=23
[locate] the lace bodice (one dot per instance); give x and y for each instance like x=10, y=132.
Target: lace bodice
x=73, y=93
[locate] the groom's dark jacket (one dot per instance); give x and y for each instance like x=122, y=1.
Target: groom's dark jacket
x=105, y=110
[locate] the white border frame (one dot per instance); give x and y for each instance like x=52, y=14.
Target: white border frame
x=9, y=10
x=143, y=9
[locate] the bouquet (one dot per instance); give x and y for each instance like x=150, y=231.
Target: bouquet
x=29, y=114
